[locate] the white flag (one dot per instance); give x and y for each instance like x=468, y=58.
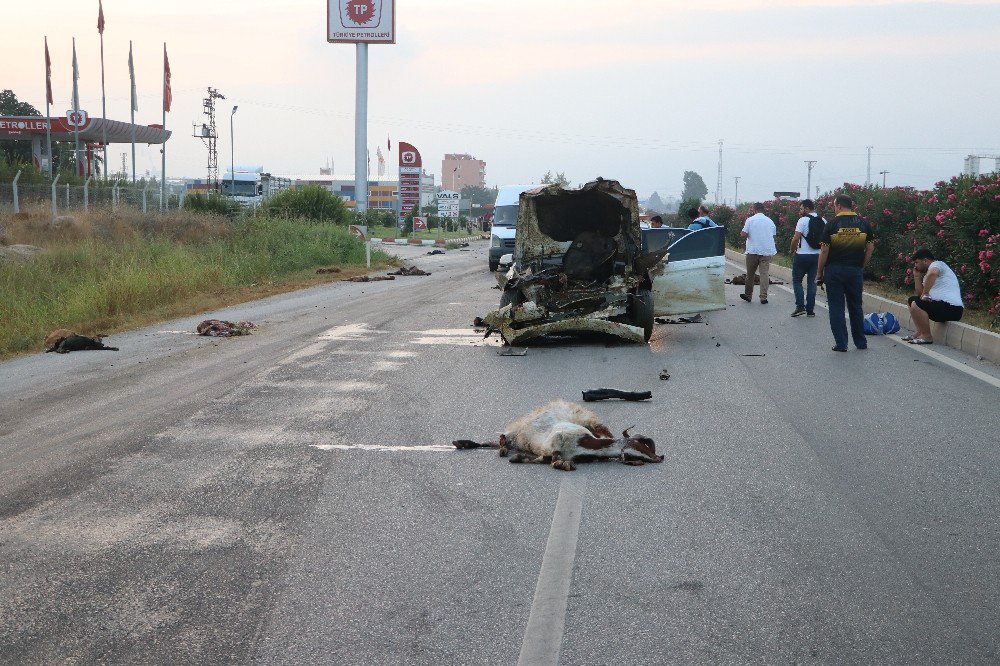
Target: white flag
x=131, y=75
x=76, y=77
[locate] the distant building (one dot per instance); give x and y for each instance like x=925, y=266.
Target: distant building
x=460, y=170
x=381, y=193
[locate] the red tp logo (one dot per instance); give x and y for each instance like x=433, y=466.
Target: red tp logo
x=361, y=11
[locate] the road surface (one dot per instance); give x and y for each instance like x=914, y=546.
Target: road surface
x=291, y=498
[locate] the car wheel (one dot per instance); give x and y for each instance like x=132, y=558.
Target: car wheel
x=494, y=265
x=640, y=312
x=511, y=297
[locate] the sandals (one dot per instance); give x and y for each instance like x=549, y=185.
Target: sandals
x=921, y=341
x=907, y=338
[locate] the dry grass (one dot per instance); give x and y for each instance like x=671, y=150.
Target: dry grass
x=104, y=272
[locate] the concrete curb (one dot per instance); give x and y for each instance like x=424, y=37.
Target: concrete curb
x=420, y=241
x=955, y=334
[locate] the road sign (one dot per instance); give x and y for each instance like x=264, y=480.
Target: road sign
x=449, y=203
x=419, y=223
x=368, y=21
x=360, y=230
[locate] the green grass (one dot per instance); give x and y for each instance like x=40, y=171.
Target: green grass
x=98, y=284
x=431, y=234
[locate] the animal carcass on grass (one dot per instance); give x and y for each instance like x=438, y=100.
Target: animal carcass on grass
x=562, y=433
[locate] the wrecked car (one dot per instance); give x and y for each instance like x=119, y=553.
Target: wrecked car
x=581, y=264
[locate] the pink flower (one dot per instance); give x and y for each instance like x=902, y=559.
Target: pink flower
x=886, y=212
x=984, y=232
x=962, y=268
x=951, y=197
x=941, y=232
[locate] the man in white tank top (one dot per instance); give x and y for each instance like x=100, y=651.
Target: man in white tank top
x=938, y=296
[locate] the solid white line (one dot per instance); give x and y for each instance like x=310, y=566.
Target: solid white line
x=547, y=619
x=937, y=356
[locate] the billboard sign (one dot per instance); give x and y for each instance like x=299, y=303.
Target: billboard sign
x=410, y=169
x=353, y=21
x=449, y=203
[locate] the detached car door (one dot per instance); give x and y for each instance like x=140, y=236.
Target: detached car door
x=693, y=276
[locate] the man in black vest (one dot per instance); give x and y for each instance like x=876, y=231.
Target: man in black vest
x=848, y=242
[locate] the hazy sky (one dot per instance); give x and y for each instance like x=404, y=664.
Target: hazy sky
x=637, y=90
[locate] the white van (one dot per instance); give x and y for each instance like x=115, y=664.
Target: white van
x=505, y=222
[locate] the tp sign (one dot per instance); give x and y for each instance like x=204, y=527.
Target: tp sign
x=369, y=21
x=76, y=118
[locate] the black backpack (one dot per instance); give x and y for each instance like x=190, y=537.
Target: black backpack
x=816, y=228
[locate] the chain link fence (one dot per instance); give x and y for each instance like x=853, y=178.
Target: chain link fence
x=65, y=199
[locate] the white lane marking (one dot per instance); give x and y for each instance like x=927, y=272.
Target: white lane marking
x=346, y=332
x=387, y=366
x=937, y=356
x=401, y=354
x=547, y=619
x=455, y=336
x=180, y=332
x=380, y=448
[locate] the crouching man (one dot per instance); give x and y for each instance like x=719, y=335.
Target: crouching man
x=938, y=296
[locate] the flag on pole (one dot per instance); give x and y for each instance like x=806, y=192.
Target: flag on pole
x=131, y=76
x=381, y=162
x=388, y=142
x=168, y=96
x=76, y=78
x=48, y=74
x=100, y=17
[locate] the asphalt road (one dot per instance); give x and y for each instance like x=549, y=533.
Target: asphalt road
x=290, y=497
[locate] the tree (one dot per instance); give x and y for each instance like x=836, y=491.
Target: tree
x=656, y=203
x=559, y=179
x=694, y=187
x=15, y=151
x=479, y=196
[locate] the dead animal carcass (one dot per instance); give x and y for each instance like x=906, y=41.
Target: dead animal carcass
x=579, y=266
x=562, y=433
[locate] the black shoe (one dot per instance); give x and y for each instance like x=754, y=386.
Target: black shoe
x=839, y=349
x=763, y=301
x=798, y=312
x=863, y=348
x=810, y=314
x=745, y=297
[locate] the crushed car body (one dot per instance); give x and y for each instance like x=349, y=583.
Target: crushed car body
x=581, y=264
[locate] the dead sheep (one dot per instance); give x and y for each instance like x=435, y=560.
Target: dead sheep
x=562, y=433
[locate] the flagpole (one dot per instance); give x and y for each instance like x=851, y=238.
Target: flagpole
x=76, y=110
x=104, y=106
x=163, y=146
x=131, y=71
x=48, y=116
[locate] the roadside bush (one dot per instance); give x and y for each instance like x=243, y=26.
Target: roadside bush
x=312, y=202
x=211, y=203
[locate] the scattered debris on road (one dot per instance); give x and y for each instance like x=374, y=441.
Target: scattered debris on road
x=219, y=328
x=593, y=395
x=75, y=342
x=332, y=269
x=562, y=433
x=664, y=375
x=409, y=270
x=753, y=354
x=370, y=278
x=478, y=322
x=742, y=279
x=694, y=319
x=512, y=351
x=437, y=252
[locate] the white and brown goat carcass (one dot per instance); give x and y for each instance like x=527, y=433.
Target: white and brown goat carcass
x=562, y=433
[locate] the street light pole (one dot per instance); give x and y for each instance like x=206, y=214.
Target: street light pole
x=232, y=154
x=736, y=192
x=883, y=178
x=809, y=177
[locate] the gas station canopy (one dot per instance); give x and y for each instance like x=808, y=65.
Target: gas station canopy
x=92, y=130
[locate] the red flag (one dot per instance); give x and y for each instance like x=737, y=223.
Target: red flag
x=168, y=96
x=100, y=17
x=48, y=73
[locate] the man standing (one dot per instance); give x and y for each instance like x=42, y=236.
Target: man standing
x=809, y=226
x=759, y=230
x=847, y=246
x=938, y=296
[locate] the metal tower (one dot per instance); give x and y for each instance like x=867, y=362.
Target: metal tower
x=208, y=134
x=718, y=177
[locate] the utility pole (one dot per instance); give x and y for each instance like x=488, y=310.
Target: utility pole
x=868, y=177
x=209, y=135
x=736, y=192
x=718, y=178
x=809, y=176
x=883, y=178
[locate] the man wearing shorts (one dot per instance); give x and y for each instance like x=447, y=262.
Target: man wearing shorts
x=938, y=296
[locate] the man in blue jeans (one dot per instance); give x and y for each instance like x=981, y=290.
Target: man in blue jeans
x=806, y=258
x=847, y=246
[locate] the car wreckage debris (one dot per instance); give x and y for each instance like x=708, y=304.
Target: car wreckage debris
x=742, y=279
x=593, y=395
x=219, y=328
x=411, y=270
x=694, y=319
x=512, y=351
x=74, y=342
x=664, y=375
x=562, y=433
x=371, y=278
